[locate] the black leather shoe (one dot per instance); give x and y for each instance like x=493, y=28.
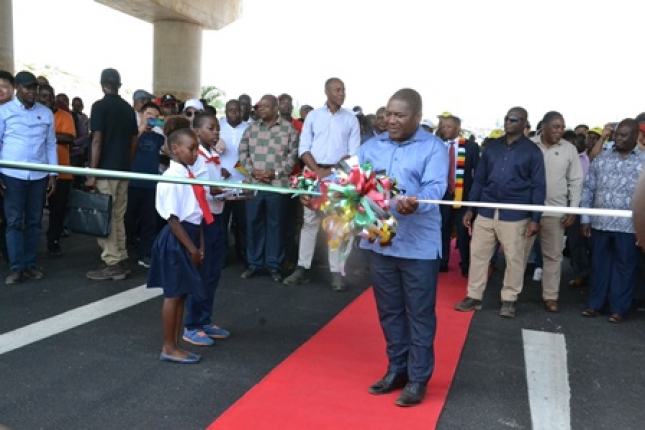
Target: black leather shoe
x=412, y=394
x=390, y=382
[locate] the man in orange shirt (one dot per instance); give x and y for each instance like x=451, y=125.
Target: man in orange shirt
x=65, y=135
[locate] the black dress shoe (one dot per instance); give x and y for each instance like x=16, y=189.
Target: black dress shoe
x=412, y=394
x=390, y=382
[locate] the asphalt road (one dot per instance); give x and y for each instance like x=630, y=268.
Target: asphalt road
x=106, y=374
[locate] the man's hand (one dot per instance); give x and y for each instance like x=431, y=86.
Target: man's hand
x=607, y=131
x=268, y=176
x=532, y=229
x=568, y=220
x=257, y=174
x=225, y=173
x=468, y=219
x=216, y=191
x=586, y=230
x=305, y=199
x=90, y=182
x=323, y=173
x=407, y=205
x=51, y=185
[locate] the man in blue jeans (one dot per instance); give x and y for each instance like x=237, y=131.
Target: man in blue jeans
x=27, y=134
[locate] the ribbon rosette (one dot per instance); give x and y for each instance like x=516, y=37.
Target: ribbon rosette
x=356, y=201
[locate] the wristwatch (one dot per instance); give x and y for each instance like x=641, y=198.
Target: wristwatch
x=278, y=174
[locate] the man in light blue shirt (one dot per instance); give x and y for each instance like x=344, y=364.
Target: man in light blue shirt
x=405, y=274
x=329, y=134
x=27, y=134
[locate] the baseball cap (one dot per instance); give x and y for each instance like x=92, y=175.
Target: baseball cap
x=496, y=134
x=194, y=103
x=110, y=76
x=357, y=110
x=168, y=99
x=596, y=130
x=306, y=107
x=444, y=114
x=25, y=79
x=142, y=94
x=427, y=123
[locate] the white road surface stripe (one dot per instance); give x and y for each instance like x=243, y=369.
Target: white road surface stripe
x=75, y=317
x=545, y=355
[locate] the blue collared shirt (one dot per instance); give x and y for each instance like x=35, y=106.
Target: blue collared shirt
x=512, y=174
x=27, y=135
x=420, y=167
x=330, y=137
x=610, y=184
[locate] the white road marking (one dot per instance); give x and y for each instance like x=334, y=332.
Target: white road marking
x=68, y=320
x=545, y=355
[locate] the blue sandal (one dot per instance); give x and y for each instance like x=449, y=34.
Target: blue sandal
x=191, y=359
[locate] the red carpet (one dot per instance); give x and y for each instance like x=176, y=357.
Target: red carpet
x=323, y=384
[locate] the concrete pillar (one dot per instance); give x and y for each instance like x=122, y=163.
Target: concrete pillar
x=6, y=35
x=177, y=64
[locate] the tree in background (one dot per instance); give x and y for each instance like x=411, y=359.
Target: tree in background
x=215, y=97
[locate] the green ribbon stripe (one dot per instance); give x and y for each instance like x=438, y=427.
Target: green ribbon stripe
x=115, y=174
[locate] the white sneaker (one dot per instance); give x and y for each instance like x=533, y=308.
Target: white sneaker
x=537, y=275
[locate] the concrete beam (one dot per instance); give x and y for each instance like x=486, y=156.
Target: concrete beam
x=210, y=14
x=6, y=36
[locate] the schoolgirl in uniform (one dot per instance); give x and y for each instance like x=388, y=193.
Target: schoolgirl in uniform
x=178, y=251
x=198, y=325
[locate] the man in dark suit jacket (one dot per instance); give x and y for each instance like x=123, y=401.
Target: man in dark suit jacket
x=463, y=155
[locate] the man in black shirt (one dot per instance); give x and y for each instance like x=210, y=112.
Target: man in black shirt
x=114, y=142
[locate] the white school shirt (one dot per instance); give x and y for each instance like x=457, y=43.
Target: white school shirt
x=178, y=199
x=208, y=170
x=229, y=158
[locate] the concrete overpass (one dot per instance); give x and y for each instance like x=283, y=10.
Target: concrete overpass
x=178, y=26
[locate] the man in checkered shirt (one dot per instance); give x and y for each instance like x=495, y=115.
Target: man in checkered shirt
x=268, y=151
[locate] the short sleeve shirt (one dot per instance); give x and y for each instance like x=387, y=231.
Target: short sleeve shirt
x=114, y=117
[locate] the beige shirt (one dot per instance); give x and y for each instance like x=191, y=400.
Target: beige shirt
x=564, y=175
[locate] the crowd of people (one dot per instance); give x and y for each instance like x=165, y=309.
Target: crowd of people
x=181, y=232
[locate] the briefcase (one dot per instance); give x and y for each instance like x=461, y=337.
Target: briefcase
x=89, y=213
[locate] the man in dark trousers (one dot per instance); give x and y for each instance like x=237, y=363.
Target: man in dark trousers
x=405, y=274
x=463, y=156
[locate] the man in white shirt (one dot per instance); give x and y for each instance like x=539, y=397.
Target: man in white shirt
x=329, y=135
x=232, y=128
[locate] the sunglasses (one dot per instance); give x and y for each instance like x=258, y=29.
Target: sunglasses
x=513, y=118
x=190, y=113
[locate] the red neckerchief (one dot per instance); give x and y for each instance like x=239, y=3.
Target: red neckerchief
x=209, y=158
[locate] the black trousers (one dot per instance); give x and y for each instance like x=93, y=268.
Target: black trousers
x=58, y=209
x=406, y=294
x=235, y=214
x=451, y=217
x=141, y=218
